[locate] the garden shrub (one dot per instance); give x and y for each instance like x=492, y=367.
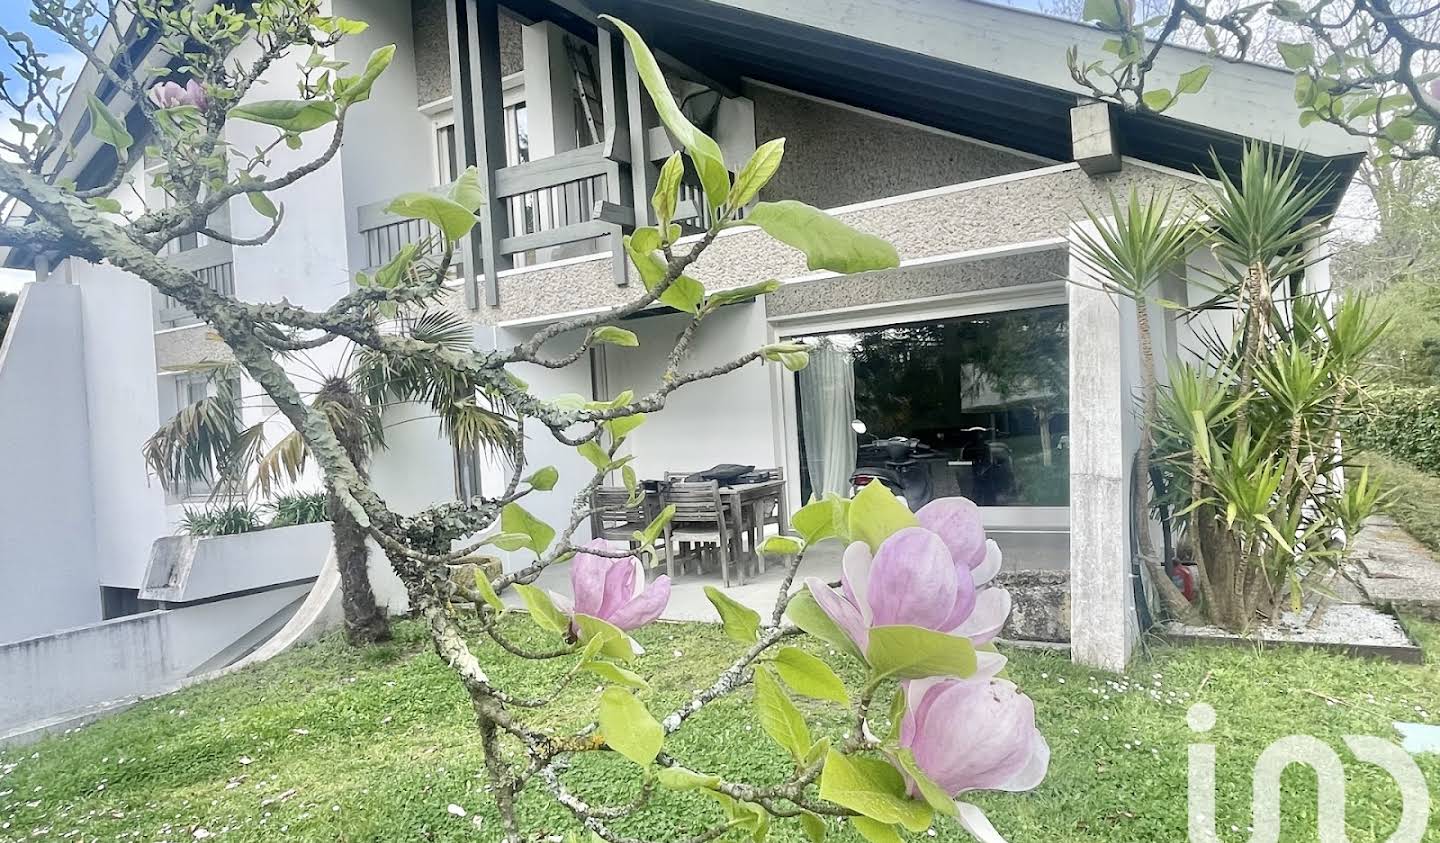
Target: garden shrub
x=220, y=520
x=298, y=508
x=1401, y=422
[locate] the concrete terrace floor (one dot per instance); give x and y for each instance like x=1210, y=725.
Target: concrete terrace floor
x=1022, y=551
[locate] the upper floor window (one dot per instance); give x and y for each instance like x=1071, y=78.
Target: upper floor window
x=517, y=143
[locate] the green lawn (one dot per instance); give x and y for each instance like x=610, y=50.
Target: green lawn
x=332, y=744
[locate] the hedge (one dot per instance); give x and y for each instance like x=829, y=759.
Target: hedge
x=1413, y=496
x=1404, y=423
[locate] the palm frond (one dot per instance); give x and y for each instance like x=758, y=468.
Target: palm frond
x=1141, y=240
x=283, y=462
x=1266, y=216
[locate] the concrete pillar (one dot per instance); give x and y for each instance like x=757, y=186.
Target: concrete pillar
x=549, y=90
x=1103, y=627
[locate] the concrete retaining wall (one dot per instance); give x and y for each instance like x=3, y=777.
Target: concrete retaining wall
x=53, y=676
x=184, y=569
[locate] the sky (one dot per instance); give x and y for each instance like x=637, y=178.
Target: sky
x=15, y=17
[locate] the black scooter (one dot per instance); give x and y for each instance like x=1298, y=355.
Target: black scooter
x=900, y=463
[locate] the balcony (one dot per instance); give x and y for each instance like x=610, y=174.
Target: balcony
x=211, y=264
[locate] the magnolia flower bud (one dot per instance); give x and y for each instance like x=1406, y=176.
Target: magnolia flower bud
x=172, y=95
x=968, y=734
x=613, y=589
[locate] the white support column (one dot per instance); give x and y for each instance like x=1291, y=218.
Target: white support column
x=549, y=90
x=1102, y=620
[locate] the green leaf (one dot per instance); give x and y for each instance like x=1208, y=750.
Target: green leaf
x=616, y=674
x=740, y=294
x=613, y=643
x=510, y=541
x=1191, y=81
x=875, y=832
x=741, y=623
x=296, y=116
x=105, y=204
x=466, y=190
x=821, y=519
x=680, y=778
x=932, y=792
x=611, y=335
x=262, y=204
x=544, y=479
x=782, y=546
x=514, y=519
x=757, y=173
x=810, y=676
x=913, y=652
x=624, y=426
x=1296, y=56
x=827, y=242
x=106, y=127
x=874, y=789
x=813, y=826
x=452, y=218
x=647, y=536
x=353, y=89
x=684, y=293
x=875, y=515
x=779, y=717
x=704, y=151
x=542, y=609
x=805, y=613
x=667, y=188
x=595, y=454
x=487, y=592
x=1105, y=12
x=1158, y=99
x=628, y=726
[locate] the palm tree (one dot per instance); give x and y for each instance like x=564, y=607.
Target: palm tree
x=205, y=440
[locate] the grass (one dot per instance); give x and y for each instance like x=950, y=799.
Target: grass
x=327, y=743
x=1414, y=499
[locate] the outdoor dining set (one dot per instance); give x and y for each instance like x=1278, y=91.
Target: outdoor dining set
x=721, y=517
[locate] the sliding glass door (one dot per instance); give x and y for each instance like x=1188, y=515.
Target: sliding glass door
x=983, y=400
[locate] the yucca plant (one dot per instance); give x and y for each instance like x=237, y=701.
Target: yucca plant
x=1128, y=254
x=1247, y=440
x=205, y=440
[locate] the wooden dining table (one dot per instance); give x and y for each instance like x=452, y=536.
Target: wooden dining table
x=750, y=501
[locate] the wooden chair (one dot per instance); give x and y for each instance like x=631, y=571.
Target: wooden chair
x=614, y=518
x=701, y=518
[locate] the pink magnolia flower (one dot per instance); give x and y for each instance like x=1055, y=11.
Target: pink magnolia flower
x=612, y=589
x=172, y=95
x=928, y=576
x=973, y=734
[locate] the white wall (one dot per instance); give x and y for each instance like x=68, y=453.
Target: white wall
x=389, y=147
x=416, y=469
x=541, y=448
x=124, y=411
x=729, y=419
x=125, y=657
x=48, y=577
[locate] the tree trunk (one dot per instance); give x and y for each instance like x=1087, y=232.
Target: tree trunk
x=1170, y=595
x=365, y=621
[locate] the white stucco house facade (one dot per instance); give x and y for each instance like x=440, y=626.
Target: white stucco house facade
x=949, y=127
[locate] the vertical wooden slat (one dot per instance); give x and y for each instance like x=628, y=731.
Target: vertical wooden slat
x=614, y=101
x=474, y=29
